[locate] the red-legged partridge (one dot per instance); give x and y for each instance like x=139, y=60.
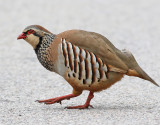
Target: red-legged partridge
x=86, y=60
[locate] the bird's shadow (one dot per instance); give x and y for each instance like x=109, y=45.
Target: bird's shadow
x=128, y=107
x=103, y=107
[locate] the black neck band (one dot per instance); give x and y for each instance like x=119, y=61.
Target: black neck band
x=38, y=45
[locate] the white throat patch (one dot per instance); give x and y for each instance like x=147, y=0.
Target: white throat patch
x=33, y=40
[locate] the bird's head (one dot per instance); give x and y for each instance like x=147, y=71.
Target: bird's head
x=32, y=34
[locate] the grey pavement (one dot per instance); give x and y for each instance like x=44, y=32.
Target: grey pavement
x=131, y=24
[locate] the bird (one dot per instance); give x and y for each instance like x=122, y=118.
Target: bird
x=86, y=60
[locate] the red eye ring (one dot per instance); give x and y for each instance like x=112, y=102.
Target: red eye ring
x=30, y=32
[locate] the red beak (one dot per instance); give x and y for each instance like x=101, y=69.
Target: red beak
x=21, y=36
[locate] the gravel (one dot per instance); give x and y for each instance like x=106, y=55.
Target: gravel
x=131, y=24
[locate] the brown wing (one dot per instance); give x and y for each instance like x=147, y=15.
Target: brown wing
x=97, y=44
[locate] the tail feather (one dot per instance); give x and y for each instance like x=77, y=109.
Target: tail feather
x=138, y=72
x=134, y=68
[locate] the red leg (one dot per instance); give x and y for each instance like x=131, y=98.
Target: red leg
x=86, y=105
x=57, y=99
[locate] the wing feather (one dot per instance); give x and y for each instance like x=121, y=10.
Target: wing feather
x=97, y=44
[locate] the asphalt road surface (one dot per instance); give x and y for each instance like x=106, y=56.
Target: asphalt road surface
x=131, y=24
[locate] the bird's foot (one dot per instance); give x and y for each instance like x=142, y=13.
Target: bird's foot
x=85, y=106
x=57, y=99
x=51, y=101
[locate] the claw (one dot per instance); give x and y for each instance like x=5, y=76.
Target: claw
x=91, y=106
x=40, y=101
x=60, y=102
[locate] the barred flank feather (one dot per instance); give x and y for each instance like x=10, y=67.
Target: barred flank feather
x=85, y=65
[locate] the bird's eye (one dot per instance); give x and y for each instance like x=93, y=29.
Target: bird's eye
x=30, y=32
